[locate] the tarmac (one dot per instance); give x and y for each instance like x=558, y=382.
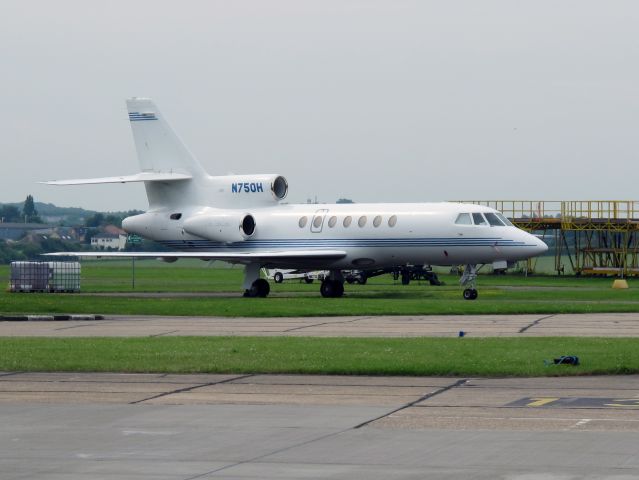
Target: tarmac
x=595, y=324
x=150, y=426
x=122, y=426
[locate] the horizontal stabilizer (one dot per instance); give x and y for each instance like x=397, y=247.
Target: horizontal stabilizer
x=138, y=177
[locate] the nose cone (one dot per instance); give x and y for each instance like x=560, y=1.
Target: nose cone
x=539, y=246
x=536, y=245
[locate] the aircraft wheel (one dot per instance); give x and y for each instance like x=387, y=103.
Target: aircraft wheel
x=327, y=289
x=350, y=280
x=332, y=289
x=260, y=288
x=362, y=280
x=278, y=277
x=470, y=294
x=308, y=280
x=405, y=278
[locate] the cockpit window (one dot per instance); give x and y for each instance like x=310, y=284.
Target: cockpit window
x=463, y=219
x=504, y=219
x=493, y=220
x=478, y=219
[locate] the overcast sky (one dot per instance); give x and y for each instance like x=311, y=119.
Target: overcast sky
x=393, y=101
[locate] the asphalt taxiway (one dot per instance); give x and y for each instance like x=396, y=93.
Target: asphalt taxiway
x=116, y=426
x=149, y=426
x=596, y=324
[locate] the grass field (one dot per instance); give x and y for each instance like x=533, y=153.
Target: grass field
x=342, y=356
x=107, y=289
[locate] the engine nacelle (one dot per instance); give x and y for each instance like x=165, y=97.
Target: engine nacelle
x=221, y=227
x=252, y=189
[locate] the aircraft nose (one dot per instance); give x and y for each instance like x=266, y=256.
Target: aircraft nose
x=540, y=246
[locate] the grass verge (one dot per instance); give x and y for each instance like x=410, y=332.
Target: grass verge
x=486, y=357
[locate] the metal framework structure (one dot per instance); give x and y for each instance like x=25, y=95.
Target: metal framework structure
x=597, y=237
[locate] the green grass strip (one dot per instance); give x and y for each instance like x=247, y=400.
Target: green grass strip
x=477, y=357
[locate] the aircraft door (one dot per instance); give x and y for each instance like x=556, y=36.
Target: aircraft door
x=318, y=220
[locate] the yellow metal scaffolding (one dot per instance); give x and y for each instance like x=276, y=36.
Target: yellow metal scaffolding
x=597, y=237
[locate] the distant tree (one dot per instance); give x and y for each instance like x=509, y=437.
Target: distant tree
x=345, y=200
x=29, y=212
x=95, y=220
x=90, y=233
x=9, y=213
x=112, y=219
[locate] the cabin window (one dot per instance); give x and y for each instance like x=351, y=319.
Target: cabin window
x=463, y=219
x=175, y=216
x=392, y=221
x=362, y=221
x=347, y=221
x=504, y=219
x=318, y=221
x=479, y=219
x=303, y=221
x=332, y=221
x=493, y=220
x=377, y=221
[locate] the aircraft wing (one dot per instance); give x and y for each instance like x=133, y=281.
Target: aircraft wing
x=236, y=257
x=138, y=177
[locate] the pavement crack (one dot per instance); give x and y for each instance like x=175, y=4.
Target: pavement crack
x=535, y=323
x=326, y=323
x=328, y=435
x=275, y=452
x=77, y=326
x=458, y=383
x=163, y=333
x=189, y=389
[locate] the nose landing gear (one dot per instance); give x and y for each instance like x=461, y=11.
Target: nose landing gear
x=469, y=277
x=470, y=294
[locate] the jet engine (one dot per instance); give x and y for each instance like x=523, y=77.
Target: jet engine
x=221, y=227
x=251, y=189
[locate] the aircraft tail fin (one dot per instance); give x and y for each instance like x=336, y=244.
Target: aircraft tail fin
x=171, y=174
x=160, y=152
x=159, y=149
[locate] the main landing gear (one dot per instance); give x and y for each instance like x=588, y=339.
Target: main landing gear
x=331, y=289
x=259, y=288
x=469, y=277
x=254, y=286
x=333, y=285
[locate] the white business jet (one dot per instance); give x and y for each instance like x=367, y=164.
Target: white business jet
x=240, y=219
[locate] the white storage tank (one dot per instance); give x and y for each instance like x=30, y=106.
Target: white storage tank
x=45, y=277
x=64, y=276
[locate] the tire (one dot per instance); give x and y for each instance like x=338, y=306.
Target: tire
x=278, y=277
x=260, y=288
x=470, y=294
x=327, y=289
x=332, y=289
x=350, y=280
x=362, y=280
x=405, y=278
x=308, y=280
